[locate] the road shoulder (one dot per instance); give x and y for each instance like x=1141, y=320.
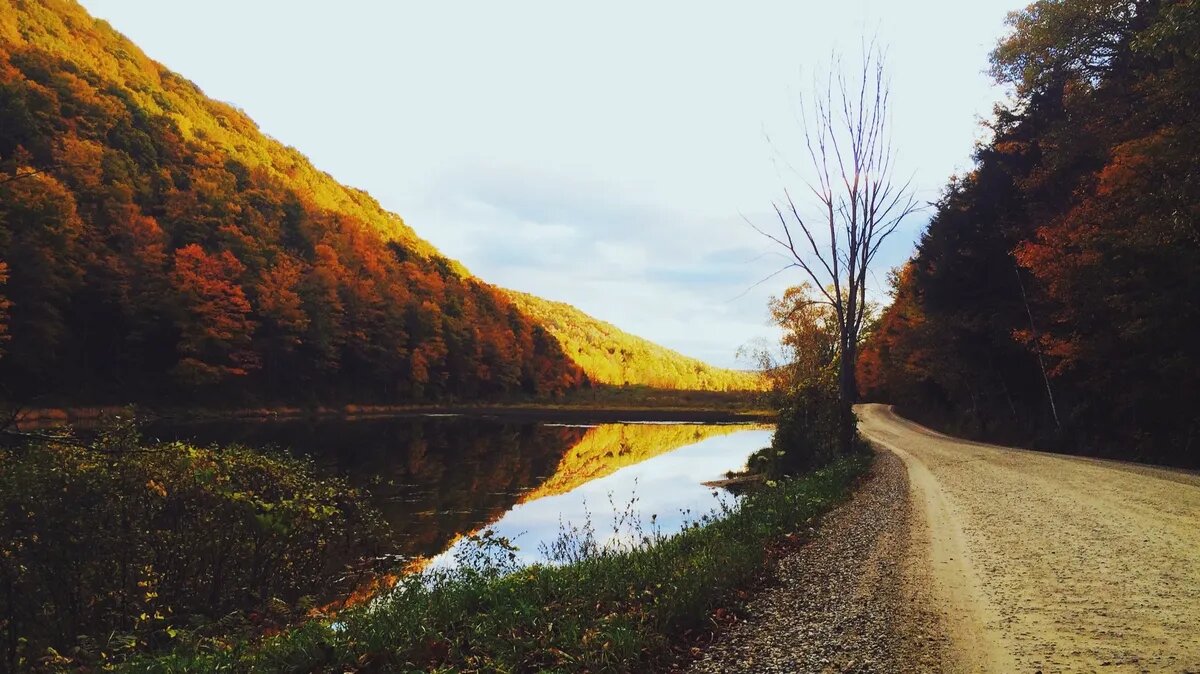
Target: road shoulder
x=847, y=600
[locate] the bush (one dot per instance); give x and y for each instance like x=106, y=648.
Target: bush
x=806, y=432
x=116, y=546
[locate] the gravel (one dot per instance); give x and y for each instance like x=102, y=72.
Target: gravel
x=849, y=601
x=1052, y=563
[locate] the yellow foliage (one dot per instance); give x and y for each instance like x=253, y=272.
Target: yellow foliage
x=63, y=29
x=609, y=355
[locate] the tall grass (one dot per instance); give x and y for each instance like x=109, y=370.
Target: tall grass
x=607, y=609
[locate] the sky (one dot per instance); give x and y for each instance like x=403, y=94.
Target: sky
x=603, y=154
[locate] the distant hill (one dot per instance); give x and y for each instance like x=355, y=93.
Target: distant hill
x=609, y=355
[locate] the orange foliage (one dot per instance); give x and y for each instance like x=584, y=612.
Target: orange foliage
x=214, y=321
x=160, y=242
x=1055, y=286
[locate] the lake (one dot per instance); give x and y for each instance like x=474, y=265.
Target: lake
x=438, y=478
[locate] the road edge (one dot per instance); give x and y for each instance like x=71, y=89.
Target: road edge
x=939, y=559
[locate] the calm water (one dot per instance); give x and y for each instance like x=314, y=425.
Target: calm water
x=438, y=478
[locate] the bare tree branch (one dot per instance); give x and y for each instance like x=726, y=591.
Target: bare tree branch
x=846, y=124
x=19, y=175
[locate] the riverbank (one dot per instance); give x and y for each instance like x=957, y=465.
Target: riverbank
x=116, y=546
x=596, y=405
x=846, y=602
x=603, y=609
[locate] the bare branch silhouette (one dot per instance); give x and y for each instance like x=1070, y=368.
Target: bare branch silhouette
x=856, y=200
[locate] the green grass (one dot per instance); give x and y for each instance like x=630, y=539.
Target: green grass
x=607, y=610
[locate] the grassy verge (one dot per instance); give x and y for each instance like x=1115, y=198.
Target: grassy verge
x=608, y=610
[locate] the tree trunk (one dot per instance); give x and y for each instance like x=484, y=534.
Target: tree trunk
x=847, y=396
x=848, y=382
x=1037, y=343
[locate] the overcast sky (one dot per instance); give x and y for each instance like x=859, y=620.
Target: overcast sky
x=600, y=155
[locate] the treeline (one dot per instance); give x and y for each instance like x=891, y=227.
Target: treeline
x=154, y=245
x=609, y=355
x=1053, y=299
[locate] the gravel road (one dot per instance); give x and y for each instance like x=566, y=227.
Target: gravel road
x=957, y=556
x=1041, y=562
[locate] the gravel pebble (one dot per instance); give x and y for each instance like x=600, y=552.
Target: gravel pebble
x=849, y=601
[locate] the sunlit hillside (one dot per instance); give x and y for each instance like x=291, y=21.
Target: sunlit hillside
x=93, y=54
x=608, y=448
x=608, y=355
x=156, y=246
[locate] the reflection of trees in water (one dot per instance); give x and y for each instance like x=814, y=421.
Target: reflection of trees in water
x=435, y=478
x=431, y=477
x=457, y=477
x=608, y=448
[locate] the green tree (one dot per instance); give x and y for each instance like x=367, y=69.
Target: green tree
x=40, y=231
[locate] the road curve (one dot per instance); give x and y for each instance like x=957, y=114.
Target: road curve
x=1040, y=562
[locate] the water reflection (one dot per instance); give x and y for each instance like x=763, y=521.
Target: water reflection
x=609, y=447
x=666, y=489
x=432, y=478
x=438, y=478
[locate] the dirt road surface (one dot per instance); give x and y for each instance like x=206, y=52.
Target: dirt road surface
x=1040, y=562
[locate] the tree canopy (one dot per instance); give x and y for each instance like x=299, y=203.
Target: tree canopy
x=154, y=243
x=1052, y=298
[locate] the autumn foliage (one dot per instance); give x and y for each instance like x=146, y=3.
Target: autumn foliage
x=154, y=244
x=608, y=355
x=1053, y=298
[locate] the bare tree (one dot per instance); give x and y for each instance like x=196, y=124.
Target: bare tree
x=856, y=202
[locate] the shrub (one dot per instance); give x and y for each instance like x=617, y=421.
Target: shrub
x=806, y=432
x=116, y=546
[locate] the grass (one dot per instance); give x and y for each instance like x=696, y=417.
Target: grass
x=604, y=609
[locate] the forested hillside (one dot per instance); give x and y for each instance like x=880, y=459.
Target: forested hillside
x=1054, y=297
x=156, y=243
x=609, y=355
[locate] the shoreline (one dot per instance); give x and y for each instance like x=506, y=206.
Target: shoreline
x=41, y=418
